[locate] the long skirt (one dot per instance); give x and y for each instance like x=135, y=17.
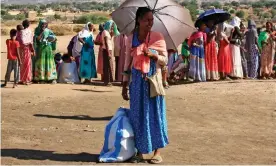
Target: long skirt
x=100, y=62
x=197, y=64
x=45, y=67
x=88, y=64
x=253, y=62
x=117, y=68
x=245, y=61
x=211, y=61
x=236, y=61
x=107, y=67
x=147, y=115
x=224, y=58
x=26, y=66
x=267, y=60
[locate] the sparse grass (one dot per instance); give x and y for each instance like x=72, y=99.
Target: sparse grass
x=10, y=23
x=77, y=28
x=5, y=31
x=61, y=30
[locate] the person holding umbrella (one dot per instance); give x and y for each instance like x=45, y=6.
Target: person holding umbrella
x=145, y=57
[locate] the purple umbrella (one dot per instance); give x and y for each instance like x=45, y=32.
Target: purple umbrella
x=170, y=19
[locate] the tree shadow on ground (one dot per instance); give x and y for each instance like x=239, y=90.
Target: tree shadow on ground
x=76, y=117
x=30, y=154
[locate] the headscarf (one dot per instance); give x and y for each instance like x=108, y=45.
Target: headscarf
x=251, y=35
x=251, y=24
x=263, y=38
x=38, y=28
x=101, y=27
x=108, y=25
x=85, y=31
x=236, y=21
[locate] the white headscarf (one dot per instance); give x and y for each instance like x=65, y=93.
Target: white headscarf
x=86, y=32
x=236, y=22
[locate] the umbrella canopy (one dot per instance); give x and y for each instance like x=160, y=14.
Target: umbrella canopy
x=217, y=15
x=170, y=19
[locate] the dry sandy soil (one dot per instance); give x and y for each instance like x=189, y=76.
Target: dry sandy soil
x=209, y=123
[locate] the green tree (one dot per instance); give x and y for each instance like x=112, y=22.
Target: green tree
x=273, y=13
x=217, y=5
x=57, y=16
x=3, y=12
x=257, y=11
x=226, y=8
x=240, y=14
x=267, y=15
x=192, y=7
x=232, y=11
x=235, y=3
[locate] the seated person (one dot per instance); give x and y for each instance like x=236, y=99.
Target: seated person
x=67, y=70
x=58, y=60
x=180, y=69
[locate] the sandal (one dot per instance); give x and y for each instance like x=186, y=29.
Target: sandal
x=156, y=160
x=137, y=159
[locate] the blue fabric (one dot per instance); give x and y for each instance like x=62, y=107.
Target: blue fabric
x=147, y=115
x=197, y=69
x=87, y=63
x=119, y=136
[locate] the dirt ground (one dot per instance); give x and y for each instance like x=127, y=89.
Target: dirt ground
x=209, y=123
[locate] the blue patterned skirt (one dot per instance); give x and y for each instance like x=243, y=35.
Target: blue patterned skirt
x=147, y=115
x=197, y=69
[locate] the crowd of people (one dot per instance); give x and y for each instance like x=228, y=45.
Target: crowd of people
x=214, y=52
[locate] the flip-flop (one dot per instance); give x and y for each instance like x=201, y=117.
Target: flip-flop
x=156, y=159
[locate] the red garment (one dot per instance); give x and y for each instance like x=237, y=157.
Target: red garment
x=26, y=64
x=12, y=46
x=224, y=58
x=211, y=60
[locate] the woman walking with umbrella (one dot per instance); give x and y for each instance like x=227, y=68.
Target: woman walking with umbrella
x=146, y=53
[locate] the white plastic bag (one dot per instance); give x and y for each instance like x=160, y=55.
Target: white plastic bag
x=119, y=143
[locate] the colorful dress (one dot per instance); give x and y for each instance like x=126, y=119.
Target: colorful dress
x=147, y=114
x=268, y=51
x=211, y=59
x=122, y=54
x=197, y=57
x=26, y=40
x=45, y=68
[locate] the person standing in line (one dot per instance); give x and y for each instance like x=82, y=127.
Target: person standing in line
x=87, y=60
x=197, y=41
x=267, y=43
x=224, y=54
x=25, y=38
x=211, y=59
x=110, y=30
x=45, y=40
x=99, y=42
x=235, y=43
x=252, y=50
x=121, y=45
x=13, y=56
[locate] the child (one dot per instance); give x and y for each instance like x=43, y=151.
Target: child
x=67, y=70
x=13, y=58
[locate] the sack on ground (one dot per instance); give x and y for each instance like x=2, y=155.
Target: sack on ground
x=119, y=143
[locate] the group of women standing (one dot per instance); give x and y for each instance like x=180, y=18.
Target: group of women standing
x=36, y=52
x=215, y=55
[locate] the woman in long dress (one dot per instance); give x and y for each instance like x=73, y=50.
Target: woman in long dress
x=197, y=55
x=267, y=43
x=224, y=54
x=45, y=68
x=146, y=54
x=252, y=50
x=99, y=42
x=211, y=60
x=110, y=30
x=235, y=43
x=25, y=38
x=87, y=61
